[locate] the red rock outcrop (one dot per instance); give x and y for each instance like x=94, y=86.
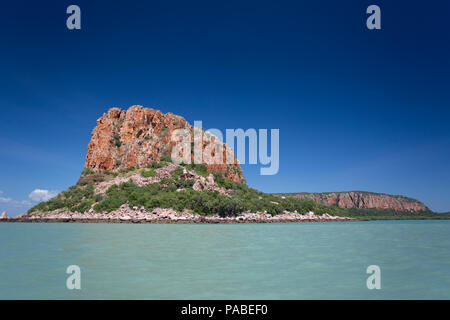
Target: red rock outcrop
x=364, y=200
x=139, y=136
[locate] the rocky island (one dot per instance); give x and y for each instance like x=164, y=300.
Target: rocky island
x=129, y=176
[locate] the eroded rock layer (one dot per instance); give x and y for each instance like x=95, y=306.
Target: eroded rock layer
x=364, y=200
x=138, y=136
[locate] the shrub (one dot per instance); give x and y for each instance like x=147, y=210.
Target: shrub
x=222, y=181
x=149, y=173
x=87, y=171
x=126, y=170
x=110, y=173
x=98, y=197
x=74, y=199
x=177, y=173
x=117, y=141
x=166, y=181
x=83, y=206
x=229, y=207
x=200, y=169
x=166, y=159
x=181, y=182
x=163, y=194
x=155, y=165
x=83, y=182
x=108, y=204
x=171, y=187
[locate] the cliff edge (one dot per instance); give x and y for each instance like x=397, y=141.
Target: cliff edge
x=139, y=136
x=363, y=200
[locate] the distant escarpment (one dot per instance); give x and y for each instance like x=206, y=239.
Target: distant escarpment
x=139, y=136
x=363, y=200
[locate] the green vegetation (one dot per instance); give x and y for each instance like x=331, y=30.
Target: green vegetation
x=148, y=173
x=117, y=141
x=200, y=169
x=87, y=172
x=177, y=192
x=223, y=182
x=165, y=195
x=126, y=170
x=155, y=195
x=166, y=159
x=155, y=165
x=77, y=198
x=92, y=178
x=177, y=173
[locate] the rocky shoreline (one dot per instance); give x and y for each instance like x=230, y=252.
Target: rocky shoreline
x=159, y=215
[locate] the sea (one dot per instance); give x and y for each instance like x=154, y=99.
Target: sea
x=327, y=260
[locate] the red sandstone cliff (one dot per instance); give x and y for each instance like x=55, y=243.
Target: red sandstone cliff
x=364, y=200
x=139, y=136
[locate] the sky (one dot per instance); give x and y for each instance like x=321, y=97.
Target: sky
x=357, y=109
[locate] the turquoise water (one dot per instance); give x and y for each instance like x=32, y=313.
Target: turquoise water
x=226, y=261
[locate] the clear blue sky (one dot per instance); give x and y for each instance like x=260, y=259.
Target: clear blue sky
x=356, y=109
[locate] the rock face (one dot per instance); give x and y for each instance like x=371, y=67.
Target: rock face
x=4, y=216
x=364, y=200
x=138, y=136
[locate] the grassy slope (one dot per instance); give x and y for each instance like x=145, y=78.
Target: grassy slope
x=82, y=197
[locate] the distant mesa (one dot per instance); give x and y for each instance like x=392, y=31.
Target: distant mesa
x=363, y=200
